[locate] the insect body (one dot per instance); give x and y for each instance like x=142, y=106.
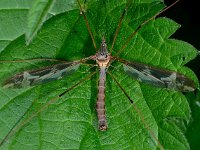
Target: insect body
x=141, y=72
x=103, y=60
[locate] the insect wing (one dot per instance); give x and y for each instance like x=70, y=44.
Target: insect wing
x=41, y=76
x=159, y=78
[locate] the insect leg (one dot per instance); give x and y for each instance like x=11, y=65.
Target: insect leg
x=119, y=24
x=87, y=23
x=141, y=25
x=45, y=59
x=34, y=59
x=138, y=111
x=17, y=127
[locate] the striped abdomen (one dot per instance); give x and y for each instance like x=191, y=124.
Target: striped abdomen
x=100, y=106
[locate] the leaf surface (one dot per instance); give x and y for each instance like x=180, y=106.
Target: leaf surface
x=37, y=15
x=71, y=122
x=14, y=16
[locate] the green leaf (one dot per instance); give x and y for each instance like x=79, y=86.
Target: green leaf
x=37, y=15
x=12, y=25
x=71, y=122
x=13, y=15
x=194, y=124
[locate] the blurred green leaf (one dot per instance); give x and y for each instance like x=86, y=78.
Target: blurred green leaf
x=14, y=13
x=37, y=15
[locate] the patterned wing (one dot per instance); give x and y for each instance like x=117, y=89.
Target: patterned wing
x=41, y=76
x=158, y=77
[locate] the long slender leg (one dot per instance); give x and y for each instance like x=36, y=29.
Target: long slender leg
x=138, y=112
x=16, y=128
x=45, y=59
x=87, y=24
x=119, y=24
x=141, y=25
x=34, y=59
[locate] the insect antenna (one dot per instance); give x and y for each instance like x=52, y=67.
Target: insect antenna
x=119, y=24
x=16, y=128
x=141, y=25
x=138, y=112
x=87, y=23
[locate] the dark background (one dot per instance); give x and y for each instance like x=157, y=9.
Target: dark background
x=187, y=14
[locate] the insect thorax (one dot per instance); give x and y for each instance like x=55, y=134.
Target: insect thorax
x=102, y=56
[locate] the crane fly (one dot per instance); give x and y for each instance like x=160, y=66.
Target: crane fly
x=104, y=59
